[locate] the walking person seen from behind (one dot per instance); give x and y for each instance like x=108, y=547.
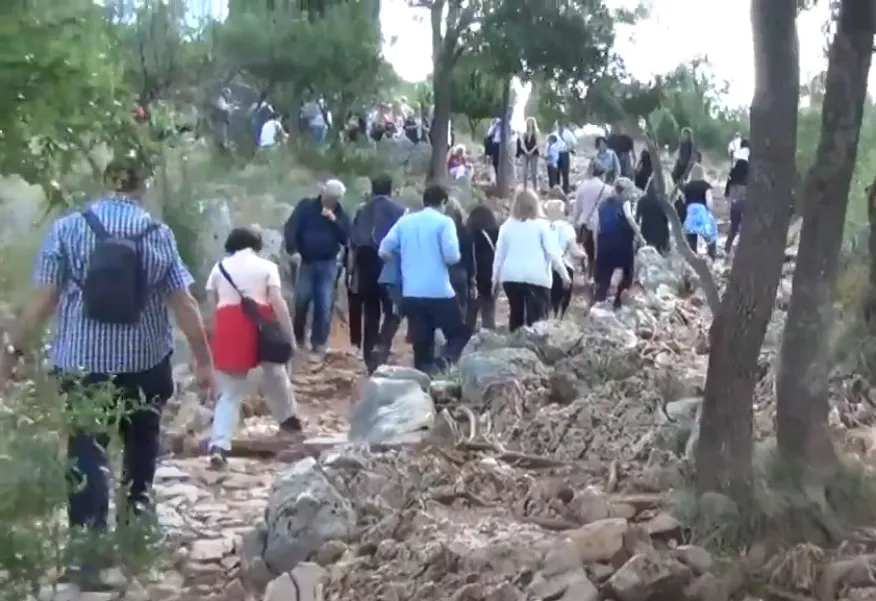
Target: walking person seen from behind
x=314, y=236
x=108, y=276
x=616, y=235
x=427, y=245
x=526, y=253
x=566, y=238
x=243, y=274
x=483, y=229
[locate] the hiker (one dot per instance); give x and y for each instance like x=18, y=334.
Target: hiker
x=736, y=191
x=369, y=302
x=616, y=235
x=314, y=235
x=260, y=113
x=456, y=163
x=493, y=142
x=652, y=221
x=698, y=220
x=412, y=129
x=568, y=142
x=644, y=170
x=234, y=342
x=106, y=277
x=591, y=191
x=427, y=245
x=526, y=252
x=313, y=116
x=608, y=160
x=733, y=147
x=462, y=274
x=566, y=239
x=686, y=156
x=483, y=229
x=527, y=150
x=552, y=160
x=272, y=132
x=221, y=117
x=622, y=145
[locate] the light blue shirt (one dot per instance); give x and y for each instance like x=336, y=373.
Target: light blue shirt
x=427, y=244
x=552, y=154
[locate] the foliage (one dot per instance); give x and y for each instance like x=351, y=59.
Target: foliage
x=476, y=92
x=34, y=422
x=337, y=55
x=61, y=92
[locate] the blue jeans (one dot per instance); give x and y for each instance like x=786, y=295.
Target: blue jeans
x=318, y=132
x=316, y=284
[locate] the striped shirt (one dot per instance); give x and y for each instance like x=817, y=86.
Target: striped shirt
x=81, y=344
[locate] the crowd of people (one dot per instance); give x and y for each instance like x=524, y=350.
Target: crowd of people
x=110, y=275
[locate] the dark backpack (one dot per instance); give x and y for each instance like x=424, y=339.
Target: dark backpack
x=272, y=344
x=115, y=287
x=612, y=220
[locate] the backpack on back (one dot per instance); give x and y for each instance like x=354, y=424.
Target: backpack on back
x=114, y=288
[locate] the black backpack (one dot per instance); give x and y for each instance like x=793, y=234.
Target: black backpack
x=272, y=344
x=114, y=288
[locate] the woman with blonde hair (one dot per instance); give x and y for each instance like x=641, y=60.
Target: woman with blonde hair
x=526, y=252
x=527, y=149
x=566, y=237
x=699, y=222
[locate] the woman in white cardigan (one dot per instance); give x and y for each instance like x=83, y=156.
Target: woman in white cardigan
x=527, y=255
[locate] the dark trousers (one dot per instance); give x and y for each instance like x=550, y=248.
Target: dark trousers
x=485, y=306
x=563, y=165
x=610, y=256
x=561, y=297
x=693, y=240
x=142, y=396
x=553, y=176
x=374, y=321
x=425, y=315
x=527, y=303
x=587, y=240
x=737, y=208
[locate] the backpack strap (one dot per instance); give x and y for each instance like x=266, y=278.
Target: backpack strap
x=95, y=225
x=149, y=229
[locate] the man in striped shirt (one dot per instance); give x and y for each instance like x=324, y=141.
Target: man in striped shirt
x=134, y=356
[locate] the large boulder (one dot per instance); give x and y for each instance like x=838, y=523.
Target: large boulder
x=395, y=403
x=653, y=270
x=479, y=371
x=551, y=340
x=305, y=509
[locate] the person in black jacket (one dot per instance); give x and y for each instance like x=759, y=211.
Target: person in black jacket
x=652, y=220
x=314, y=236
x=736, y=191
x=483, y=229
x=644, y=170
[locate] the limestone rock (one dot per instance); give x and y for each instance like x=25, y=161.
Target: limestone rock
x=480, y=370
x=400, y=372
x=304, y=511
x=600, y=540
x=391, y=408
x=650, y=575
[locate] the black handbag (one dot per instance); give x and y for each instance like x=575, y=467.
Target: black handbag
x=272, y=344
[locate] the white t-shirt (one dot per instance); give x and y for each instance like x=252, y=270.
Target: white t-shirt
x=564, y=232
x=252, y=274
x=271, y=130
x=527, y=252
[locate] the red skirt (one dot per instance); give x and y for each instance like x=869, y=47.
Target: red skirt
x=233, y=342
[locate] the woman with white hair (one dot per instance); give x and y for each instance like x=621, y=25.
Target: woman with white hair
x=616, y=234
x=566, y=237
x=526, y=251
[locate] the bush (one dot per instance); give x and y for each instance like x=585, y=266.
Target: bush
x=35, y=420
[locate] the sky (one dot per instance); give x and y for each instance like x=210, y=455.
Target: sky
x=721, y=31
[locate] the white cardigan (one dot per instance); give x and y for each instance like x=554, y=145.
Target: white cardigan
x=527, y=252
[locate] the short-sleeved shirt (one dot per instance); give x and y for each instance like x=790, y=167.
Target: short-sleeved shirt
x=565, y=234
x=82, y=344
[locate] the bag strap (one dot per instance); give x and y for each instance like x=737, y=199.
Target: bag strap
x=95, y=225
x=228, y=277
x=489, y=240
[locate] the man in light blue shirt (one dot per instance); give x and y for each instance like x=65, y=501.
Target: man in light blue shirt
x=426, y=243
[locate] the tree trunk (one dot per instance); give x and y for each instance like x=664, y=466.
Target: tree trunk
x=723, y=458
x=505, y=179
x=803, y=435
x=440, y=129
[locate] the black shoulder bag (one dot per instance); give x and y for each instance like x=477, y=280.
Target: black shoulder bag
x=272, y=344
